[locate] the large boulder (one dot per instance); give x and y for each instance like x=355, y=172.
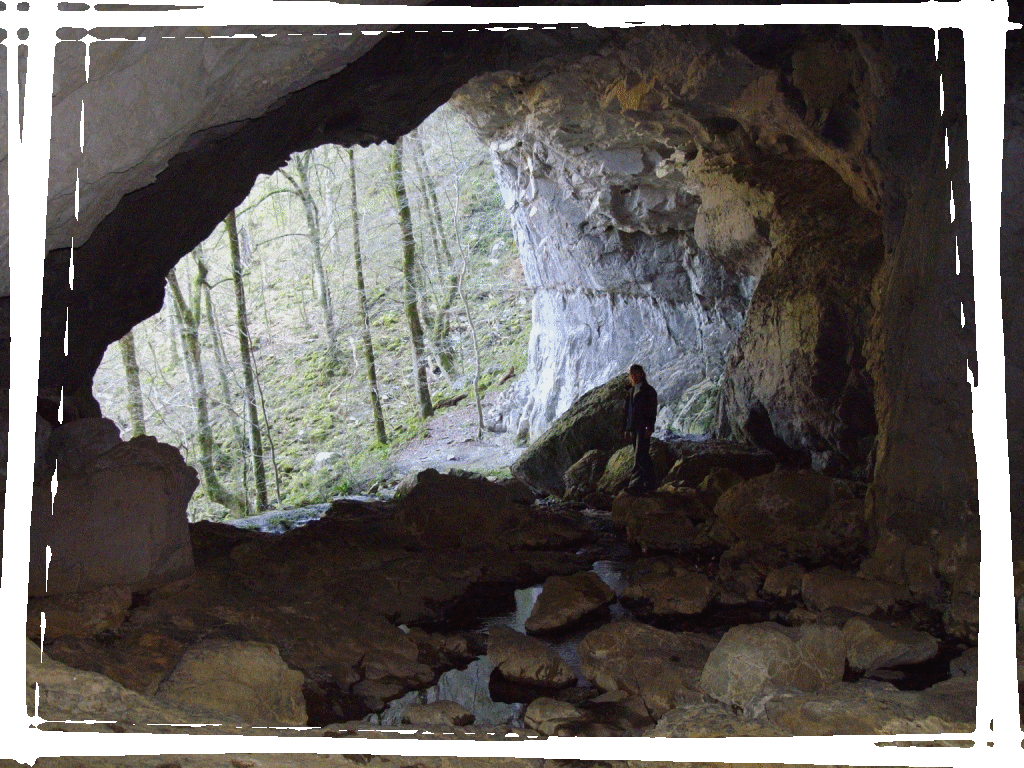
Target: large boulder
x=829, y=588
x=697, y=459
x=522, y=659
x=752, y=661
x=451, y=511
x=804, y=513
x=662, y=668
x=593, y=421
x=667, y=587
x=118, y=518
x=582, y=477
x=566, y=600
x=874, y=645
x=619, y=469
x=243, y=680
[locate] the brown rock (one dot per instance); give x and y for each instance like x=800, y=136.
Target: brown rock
x=582, y=477
x=668, y=588
x=552, y=717
x=438, y=713
x=523, y=659
x=247, y=681
x=873, y=645
x=753, y=660
x=784, y=582
x=567, y=599
x=829, y=587
x=81, y=614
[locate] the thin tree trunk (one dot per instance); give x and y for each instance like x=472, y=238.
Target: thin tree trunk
x=320, y=285
x=362, y=319
x=224, y=376
x=440, y=328
x=476, y=356
x=136, y=412
x=259, y=471
x=412, y=312
x=188, y=318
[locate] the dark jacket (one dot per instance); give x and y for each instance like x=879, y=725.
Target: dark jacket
x=641, y=408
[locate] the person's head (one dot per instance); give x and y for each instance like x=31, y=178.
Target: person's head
x=636, y=373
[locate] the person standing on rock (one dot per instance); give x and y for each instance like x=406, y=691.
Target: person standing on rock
x=641, y=411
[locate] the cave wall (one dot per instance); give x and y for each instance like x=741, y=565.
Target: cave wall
x=760, y=210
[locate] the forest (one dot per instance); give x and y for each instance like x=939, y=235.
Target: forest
x=324, y=321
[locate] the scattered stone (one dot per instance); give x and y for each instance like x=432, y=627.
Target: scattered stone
x=872, y=645
x=438, y=713
x=754, y=660
x=668, y=588
x=522, y=659
x=118, y=518
x=81, y=614
x=565, y=600
x=662, y=668
x=244, y=680
x=829, y=587
x=552, y=717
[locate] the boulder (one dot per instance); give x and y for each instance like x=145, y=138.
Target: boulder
x=582, y=477
x=718, y=481
x=244, y=680
x=523, y=659
x=82, y=614
x=552, y=717
x=712, y=720
x=966, y=664
x=784, y=582
x=565, y=600
x=618, y=471
x=667, y=587
x=438, y=713
x=76, y=444
x=118, y=519
x=593, y=421
x=908, y=566
x=662, y=668
x=699, y=459
x=873, y=645
x=804, y=513
x=872, y=707
x=827, y=588
x=451, y=510
x=681, y=502
x=754, y=660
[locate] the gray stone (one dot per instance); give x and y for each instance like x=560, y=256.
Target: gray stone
x=243, y=680
x=873, y=645
x=565, y=600
x=754, y=660
x=523, y=659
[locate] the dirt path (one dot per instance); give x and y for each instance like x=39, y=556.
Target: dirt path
x=451, y=441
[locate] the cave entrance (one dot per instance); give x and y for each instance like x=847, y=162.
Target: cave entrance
x=258, y=366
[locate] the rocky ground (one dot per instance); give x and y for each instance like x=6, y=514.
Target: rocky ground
x=747, y=606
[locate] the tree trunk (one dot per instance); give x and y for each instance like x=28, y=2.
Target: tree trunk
x=363, y=320
x=259, y=471
x=440, y=328
x=136, y=413
x=188, y=320
x=412, y=312
x=476, y=355
x=320, y=285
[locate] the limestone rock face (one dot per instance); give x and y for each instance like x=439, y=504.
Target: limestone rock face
x=523, y=659
x=873, y=645
x=593, y=421
x=119, y=519
x=567, y=599
x=753, y=660
x=662, y=668
x=248, y=681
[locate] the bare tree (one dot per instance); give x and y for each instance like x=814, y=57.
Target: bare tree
x=412, y=312
x=255, y=439
x=136, y=412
